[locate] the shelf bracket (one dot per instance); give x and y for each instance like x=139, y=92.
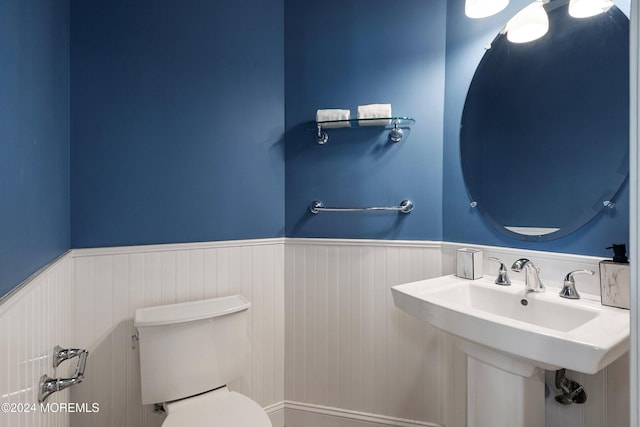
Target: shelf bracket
x=322, y=137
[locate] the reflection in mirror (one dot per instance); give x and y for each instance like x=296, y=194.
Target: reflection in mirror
x=529, y=24
x=545, y=127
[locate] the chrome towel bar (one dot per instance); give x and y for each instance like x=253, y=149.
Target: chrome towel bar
x=317, y=206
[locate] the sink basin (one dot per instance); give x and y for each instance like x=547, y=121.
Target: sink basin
x=541, y=329
x=537, y=311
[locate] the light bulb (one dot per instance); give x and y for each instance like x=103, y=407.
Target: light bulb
x=483, y=8
x=587, y=8
x=529, y=24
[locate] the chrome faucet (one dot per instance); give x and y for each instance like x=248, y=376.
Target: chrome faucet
x=569, y=289
x=532, y=282
x=503, y=278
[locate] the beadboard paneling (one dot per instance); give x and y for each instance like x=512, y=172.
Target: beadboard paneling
x=33, y=320
x=349, y=347
x=607, y=398
x=112, y=283
x=350, y=354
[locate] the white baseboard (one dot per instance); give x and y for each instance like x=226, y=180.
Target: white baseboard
x=276, y=414
x=298, y=414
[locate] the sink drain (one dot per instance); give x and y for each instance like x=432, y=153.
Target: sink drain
x=524, y=301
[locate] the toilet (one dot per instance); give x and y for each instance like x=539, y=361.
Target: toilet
x=189, y=353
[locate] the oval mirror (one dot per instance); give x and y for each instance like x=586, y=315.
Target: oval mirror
x=544, y=141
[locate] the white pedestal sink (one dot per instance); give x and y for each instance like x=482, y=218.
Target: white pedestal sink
x=511, y=336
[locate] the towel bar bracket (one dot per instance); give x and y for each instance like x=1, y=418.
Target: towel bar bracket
x=322, y=137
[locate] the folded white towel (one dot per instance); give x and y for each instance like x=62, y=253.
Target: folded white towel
x=335, y=117
x=374, y=111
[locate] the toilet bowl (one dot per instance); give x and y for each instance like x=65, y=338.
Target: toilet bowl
x=219, y=407
x=189, y=353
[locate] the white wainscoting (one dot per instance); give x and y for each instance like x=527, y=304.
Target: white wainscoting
x=111, y=283
x=349, y=347
x=33, y=320
x=342, y=356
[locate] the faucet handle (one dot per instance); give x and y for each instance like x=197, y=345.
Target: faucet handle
x=503, y=278
x=569, y=288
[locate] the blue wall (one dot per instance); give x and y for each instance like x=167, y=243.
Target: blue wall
x=466, y=39
x=339, y=55
x=178, y=120
x=375, y=51
x=34, y=136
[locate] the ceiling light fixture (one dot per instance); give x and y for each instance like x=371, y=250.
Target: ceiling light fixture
x=588, y=8
x=529, y=24
x=483, y=8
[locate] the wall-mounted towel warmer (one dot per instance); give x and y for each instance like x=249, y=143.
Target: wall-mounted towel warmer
x=317, y=206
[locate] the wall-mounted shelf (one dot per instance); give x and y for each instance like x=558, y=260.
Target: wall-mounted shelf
x=394, y=124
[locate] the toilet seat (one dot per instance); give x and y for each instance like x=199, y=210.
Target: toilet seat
x=217, y=408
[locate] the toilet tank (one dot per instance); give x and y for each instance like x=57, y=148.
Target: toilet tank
x=192, y=347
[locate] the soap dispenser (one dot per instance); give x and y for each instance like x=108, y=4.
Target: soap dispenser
x=615, y=278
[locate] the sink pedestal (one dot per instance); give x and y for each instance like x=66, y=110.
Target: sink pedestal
x=502, y=391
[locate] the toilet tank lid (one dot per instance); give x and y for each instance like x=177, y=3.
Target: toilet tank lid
x=189, y=311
